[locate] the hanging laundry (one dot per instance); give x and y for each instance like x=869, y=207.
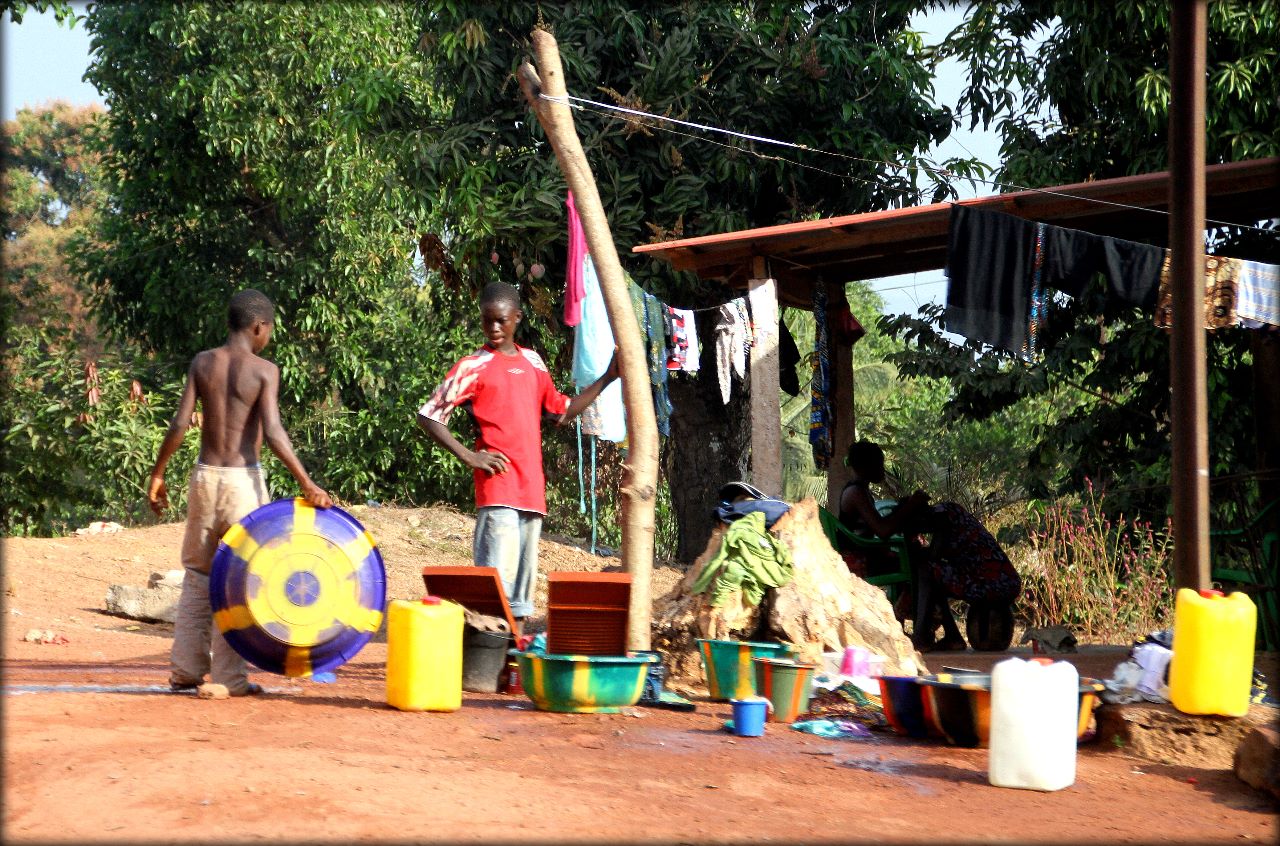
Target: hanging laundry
x=649, y=315
x=749, y=328
x=668, y=331
x=1220, y=277
x=1071, y=258
x=1132, y=271
x=847, y=330
x=593, y=347
x=573, y=287
x=685, y=352
x=1258, y=295
x=821, y=417
x=788, y=358
x=730, y=345
x=988, y=276
x=1000, y=269
x=1038, y=299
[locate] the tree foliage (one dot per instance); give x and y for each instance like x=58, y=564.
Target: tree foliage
x=269, y=145
x=850, y=78
x=47, y=182
x=1109, y=357
x=76, y=427
x=18, y=9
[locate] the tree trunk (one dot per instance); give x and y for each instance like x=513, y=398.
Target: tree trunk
x=710, y=445
x=640, y=472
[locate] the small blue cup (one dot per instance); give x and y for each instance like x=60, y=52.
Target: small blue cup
x=749, y=716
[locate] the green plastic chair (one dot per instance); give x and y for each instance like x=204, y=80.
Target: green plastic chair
x=1259, y=579
x=892, y=583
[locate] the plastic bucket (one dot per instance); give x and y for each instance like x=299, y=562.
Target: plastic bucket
x=655, y=676
x=906, y=708
x=748, y=716
x=727, y=665
x=484, y=657
x=786, y=684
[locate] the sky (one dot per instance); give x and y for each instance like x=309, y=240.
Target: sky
x=43, y=61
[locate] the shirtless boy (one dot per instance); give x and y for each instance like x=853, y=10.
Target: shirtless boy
x=237, y=391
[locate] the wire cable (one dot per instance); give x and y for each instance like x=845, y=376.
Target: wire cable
x=570, y=101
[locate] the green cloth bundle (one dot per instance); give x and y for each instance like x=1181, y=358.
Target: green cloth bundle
x=749, y=559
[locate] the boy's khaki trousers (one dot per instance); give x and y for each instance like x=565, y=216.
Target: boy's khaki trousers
x=217, y=497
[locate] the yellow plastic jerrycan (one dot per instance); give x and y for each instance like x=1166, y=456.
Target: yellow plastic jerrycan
x=424, y=655
x=1211, y=671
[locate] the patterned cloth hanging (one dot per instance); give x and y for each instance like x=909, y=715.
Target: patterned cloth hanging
x=1220, y=275
x=1037, y=300
x=821, y=416
x=651, y=316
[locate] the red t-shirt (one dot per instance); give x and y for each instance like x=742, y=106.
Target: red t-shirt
x=508, y=394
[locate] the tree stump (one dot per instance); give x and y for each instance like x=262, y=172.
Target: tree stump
x=823, y=608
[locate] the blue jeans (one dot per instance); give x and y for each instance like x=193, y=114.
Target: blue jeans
x=507, y=538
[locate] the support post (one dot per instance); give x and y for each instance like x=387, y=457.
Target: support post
x=842, y=401
x=1190, y=428
x=640, y=472
x=766, y=411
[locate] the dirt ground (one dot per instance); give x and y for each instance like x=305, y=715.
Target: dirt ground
x=95, y=750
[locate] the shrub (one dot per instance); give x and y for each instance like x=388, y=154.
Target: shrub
x=1106, y=580
x=80, y=436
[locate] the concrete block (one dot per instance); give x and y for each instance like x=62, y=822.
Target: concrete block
x=139, y=603
x=1165, y=735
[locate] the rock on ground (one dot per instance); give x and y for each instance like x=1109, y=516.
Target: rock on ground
x=823, y=608
x=1257, y=759
x=169, y=578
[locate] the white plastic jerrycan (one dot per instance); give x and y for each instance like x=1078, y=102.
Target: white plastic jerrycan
x=1035, y=709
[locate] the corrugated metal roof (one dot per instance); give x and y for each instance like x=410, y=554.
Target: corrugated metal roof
x=885, y=243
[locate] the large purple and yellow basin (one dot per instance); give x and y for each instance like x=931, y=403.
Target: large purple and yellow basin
x=297, y=590
x=583, y=684
x=727, y=665
x=959, y=706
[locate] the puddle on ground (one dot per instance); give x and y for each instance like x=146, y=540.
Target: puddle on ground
x=885, y=766
x=23, y=689
x=20, y=689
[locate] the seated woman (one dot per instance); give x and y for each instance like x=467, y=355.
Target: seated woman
x=963, y=561
x=859, y=513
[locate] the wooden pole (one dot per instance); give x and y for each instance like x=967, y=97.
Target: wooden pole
x=766, y=415
x=1188, y=406
x=838, y=473
x=640, y=471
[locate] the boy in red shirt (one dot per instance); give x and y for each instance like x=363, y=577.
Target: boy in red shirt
x=508, y=388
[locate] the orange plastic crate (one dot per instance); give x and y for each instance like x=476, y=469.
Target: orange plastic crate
x=587, y=613
x=476, y=588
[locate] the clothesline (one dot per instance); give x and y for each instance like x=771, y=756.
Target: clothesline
x=575, y=102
